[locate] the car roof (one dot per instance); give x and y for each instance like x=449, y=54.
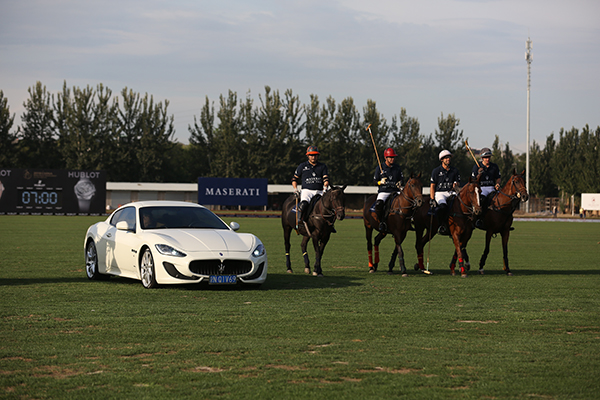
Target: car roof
x=162, y=203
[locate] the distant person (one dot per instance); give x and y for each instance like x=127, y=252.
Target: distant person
x=444, y=180
x=389, y=179
x=314, y=177
x=489, y=181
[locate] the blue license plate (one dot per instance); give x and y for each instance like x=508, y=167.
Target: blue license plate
x=222, y=280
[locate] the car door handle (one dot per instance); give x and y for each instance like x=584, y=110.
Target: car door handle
x=109, y=235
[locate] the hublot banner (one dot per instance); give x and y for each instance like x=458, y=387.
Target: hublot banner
x=52, y=192
x=232, y=191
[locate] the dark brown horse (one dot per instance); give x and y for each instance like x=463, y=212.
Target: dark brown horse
x=318, y=226
x=499, y=215
x=464, y=208
x=401, y=210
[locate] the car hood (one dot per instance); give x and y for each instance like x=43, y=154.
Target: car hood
x=189, y=240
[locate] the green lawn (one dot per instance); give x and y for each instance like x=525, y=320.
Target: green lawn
x=348, y=335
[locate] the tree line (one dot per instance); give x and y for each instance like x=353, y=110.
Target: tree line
x=130, y=136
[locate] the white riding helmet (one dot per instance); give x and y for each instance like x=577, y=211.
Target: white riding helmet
x=444, y=153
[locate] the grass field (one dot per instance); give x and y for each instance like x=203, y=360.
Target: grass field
x=349, y=335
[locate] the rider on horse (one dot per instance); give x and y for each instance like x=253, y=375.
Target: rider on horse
x=490, y=181
x=314, y=177
x=389, y=179
x=444, y=179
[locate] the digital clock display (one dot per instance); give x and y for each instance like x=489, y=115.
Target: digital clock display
x=41, y=199
x=52, y=192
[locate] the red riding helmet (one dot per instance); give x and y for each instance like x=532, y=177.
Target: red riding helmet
x=312, y=150
x=389, y=152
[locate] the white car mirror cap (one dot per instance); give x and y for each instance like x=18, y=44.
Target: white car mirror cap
x=234, y=226
x=123, y=226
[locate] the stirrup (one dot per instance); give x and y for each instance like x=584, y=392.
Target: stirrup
x=382, y=226
x=442, y=230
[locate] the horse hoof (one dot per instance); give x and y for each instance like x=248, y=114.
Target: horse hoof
x=289, y=271
x=509, y=274
x=416, y=267
x=481, y=272
x=315, y=274
x=371, y=270
x=405, y=275
x=453, y=273
x=390, y=273
x=463, y=275
x=320, y=275
x=307, y=270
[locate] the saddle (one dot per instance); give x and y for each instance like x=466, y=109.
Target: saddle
x=387, y=206
x=310, y=205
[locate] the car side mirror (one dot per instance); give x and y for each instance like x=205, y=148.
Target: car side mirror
x=123, y=226
x=234, y=226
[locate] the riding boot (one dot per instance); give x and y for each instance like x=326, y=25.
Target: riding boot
x=442, y=214
x=480, y=218
x=379, y=212
x=301, y=208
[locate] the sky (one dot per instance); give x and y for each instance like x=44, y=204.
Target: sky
x=431, y=57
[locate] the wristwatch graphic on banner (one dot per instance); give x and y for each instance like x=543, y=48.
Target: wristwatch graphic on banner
x=85, y=191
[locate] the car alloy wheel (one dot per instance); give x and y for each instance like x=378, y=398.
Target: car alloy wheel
x=147, y=270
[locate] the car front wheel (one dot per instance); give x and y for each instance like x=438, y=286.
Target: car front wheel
x=91, y=263
x=147, y=271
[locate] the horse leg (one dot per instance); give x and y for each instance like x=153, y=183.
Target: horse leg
x=505, y=234
x=287, y=230
x=392, y=260
x=486, y=251
x=466, y=258
x=378, y=240
x=304, y=246
x=399, y=238
x=369, y=235
x=319, y=250
x=453, y=264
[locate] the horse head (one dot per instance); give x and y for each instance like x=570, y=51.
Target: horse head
x=518, y=188
x=414, y=190
x=470, y=196
x=335, y=201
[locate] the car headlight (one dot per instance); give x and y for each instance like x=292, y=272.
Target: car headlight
x=259, y=251
x=169, y=251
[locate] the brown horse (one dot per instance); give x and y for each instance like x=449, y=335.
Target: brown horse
x=499, y=215
x=463, y=209
x=401, y=210
x=318, y=226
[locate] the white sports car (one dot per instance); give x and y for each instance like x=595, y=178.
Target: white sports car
x=172, y=242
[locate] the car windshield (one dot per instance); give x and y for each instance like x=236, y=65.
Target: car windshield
x=179, y=218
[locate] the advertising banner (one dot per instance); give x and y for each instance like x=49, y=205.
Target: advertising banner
x=232, y=191
x=52, y=192
x=590, y=201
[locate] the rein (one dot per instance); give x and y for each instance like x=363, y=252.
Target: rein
x=470, y=209
x=412, y=202
x=327, y=211
x=511, y=203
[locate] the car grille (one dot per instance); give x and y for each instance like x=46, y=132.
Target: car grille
x=212, y=267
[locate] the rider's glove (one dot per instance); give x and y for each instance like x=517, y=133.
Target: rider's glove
x=432, y=203
x=383, y=181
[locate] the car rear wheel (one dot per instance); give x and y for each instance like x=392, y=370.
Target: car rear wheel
x=147, y=271
x=91, y=263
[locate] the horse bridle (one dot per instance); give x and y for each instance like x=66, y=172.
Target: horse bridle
x=412, y=201
x=518, y=196
x=331, y=211
x=470, y=209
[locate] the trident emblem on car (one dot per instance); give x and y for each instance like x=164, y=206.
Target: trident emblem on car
x=221, y=268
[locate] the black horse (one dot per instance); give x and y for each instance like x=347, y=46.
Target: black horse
x=318, y=225
x=499, y=216
x=401, y=210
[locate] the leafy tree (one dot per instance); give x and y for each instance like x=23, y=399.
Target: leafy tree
x=201, y=134
x=566, y=168
x=541, y=166
x=449, y=137
x=226, y=143
x=367, y=159
x=38, y=145
x=7, y=138
x=406, y=141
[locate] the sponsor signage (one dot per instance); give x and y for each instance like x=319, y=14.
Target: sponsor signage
x=232, y=191
x=52, y=192
x=590, y=201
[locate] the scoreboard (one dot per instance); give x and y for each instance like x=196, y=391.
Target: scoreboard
x=52, y=192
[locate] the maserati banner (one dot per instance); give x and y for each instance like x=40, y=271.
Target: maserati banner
x=232, y=191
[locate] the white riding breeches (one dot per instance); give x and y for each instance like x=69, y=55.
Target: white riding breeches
x=308, y=194
x=441, y=197
x=485, y=190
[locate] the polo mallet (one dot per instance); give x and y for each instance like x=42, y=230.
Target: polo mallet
x=472, y=155
x=296, y=196
x=375, y=147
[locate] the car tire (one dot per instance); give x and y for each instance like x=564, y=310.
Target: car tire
x=91, y=263
x=147, y=270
